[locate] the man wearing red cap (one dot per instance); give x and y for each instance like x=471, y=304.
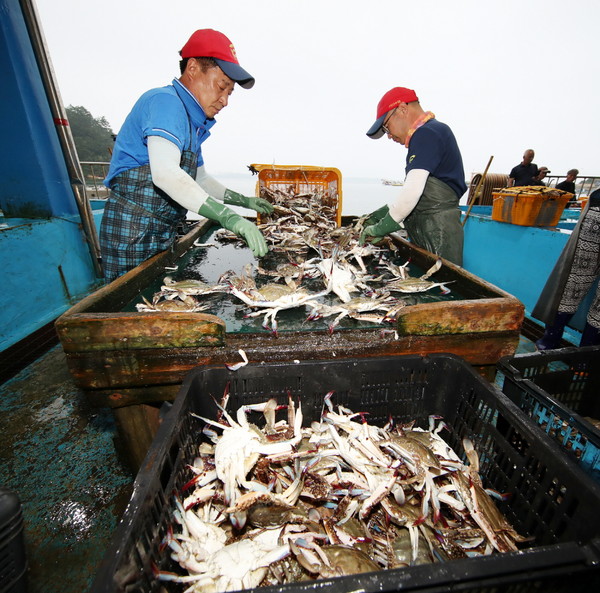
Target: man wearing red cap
x=435, y=178
x=157, y=173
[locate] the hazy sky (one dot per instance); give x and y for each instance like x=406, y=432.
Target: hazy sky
x=505, y=75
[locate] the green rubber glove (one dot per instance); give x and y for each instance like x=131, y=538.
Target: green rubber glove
x=376, y=216
x=234, y=199
x=386, y=225
x=233, y=222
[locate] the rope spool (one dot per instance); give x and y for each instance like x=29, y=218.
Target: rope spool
x=492, y=182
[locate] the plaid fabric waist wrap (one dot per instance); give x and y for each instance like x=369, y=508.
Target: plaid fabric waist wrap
x=139, y=220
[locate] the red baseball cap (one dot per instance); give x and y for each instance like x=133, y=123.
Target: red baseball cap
x=208, y=43
x=390, y=101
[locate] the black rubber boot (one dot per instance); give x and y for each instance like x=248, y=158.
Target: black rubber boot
x=590, y=336
x=553, y=334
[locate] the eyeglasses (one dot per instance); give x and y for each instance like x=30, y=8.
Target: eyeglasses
x=384, y=127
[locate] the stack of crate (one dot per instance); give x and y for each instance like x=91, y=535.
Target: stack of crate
x=560, y=391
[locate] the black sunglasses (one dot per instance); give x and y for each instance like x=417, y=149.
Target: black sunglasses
x=384, y=125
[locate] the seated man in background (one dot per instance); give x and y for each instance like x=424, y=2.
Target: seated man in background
x=569, y=183
x=539, y=178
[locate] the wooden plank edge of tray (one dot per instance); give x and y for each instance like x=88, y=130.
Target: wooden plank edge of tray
x=115, y=295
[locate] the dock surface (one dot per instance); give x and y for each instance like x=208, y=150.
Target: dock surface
x=58, y=454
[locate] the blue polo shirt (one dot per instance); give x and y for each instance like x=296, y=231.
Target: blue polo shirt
x=433, y=147
x=171, y=112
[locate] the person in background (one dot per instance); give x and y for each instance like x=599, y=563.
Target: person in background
x=435, y=178
x=525, y=171
x=539, y=178
x=575, y=272
x=569, y=183
x=157, y=172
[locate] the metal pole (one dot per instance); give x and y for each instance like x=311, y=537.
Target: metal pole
x=476, y=192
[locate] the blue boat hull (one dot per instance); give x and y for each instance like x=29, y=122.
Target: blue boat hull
x=45, y=268
x=516, y=258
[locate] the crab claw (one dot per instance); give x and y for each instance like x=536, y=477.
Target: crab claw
x=238, y=519
x=238, y=365
x=210, y=433
x=432, y=418
x=189, y=484
x=164, y=544
x=390, y=423
x=327, y=400
x=502, y=496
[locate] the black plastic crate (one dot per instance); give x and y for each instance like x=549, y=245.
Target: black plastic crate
x=13, y=561
x=558, y=389
x=552, y=500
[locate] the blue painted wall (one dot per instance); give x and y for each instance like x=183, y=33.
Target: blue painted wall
x=45, y=263
x=33, y=175
x=517, y=259
x=45, y=268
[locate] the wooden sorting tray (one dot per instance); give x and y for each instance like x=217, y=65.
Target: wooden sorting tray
x=126, y=359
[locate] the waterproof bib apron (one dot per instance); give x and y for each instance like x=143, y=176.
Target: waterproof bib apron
x=434, y=224
x=139, y=220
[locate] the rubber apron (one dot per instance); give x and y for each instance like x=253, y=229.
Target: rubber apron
x=434, y=224
x=140, y=220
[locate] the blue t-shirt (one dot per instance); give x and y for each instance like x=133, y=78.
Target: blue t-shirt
x=433, y=147
x=171, y=112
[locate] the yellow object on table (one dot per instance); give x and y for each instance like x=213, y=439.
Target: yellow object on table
x=531, y=205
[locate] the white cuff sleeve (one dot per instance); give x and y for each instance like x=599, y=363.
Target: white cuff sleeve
x=170, y=177
x=209, y=184
x=411, y=192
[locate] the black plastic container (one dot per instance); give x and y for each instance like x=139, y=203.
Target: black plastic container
x=558, y=389
x=13, y=561
x=552, y=500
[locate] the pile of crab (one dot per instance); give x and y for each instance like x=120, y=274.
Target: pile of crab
x=299, y=221
x=317, y=252
x=286, y=503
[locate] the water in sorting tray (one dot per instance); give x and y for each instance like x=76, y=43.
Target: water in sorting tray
x=209, y=263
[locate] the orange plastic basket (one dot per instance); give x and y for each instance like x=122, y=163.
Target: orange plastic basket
x=529, y=206
x=302, y=179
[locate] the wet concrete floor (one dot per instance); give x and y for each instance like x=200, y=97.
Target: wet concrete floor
x=59, y=455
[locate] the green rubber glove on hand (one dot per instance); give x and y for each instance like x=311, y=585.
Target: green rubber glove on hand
x=376, y=216
x=386, y=225
x=233, y=222
x=234, y=199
